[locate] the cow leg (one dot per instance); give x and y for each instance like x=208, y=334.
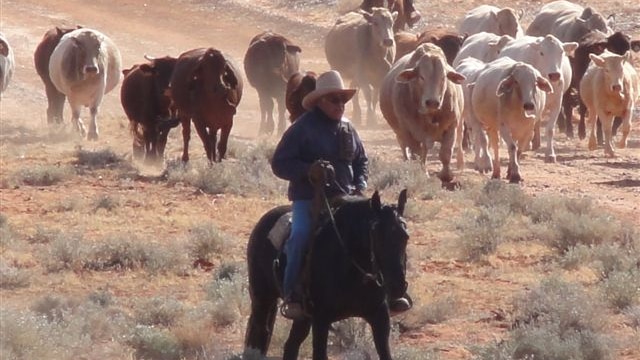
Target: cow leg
x=513, y=170
x=458, y=141
x=266, y=114
x=599, y=131
x=380, y=329
x=582, y=129
x=494, y=143
x=205, y=136
x=76, y=121
x=55, y=108
x=369, y=96
x=626, y=128
x=554, y=112
x=357, y=112
x=320, y=337
x=298, y=333
x=282, y=110
x=482, y=143
x=592, y=118
x=222, y=144
x=186, y=136
x=425, y=145
x=568, y=114
x=607, y=125
x=93, y=126
x=535, y=142
x=446, y=150
x=617, y=121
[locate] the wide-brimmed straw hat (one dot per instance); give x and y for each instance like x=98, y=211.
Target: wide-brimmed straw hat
x=329, y=82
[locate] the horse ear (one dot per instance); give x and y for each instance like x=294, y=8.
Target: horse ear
x=375, y=201
x=402, y=201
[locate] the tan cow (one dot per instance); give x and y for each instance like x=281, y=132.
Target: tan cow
x=422, y=101
x=361, y=47
x=483, y=46
x=491, y=19
x=84, y=66
x=508, y=98
x=567, y=21
x=609, y=88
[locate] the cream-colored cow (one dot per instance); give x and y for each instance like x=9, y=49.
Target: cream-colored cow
x=508, y=98
x=609, y=88
x=492, y=19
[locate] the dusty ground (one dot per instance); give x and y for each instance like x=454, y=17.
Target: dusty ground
x=163, y=27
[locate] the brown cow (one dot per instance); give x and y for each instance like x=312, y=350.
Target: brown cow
x=41, y=56
x=270, y=61
x=145, y=101
x=206, y=87
x=298, y=86
x=449, y=41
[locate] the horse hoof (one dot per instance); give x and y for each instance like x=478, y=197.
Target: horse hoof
x=550, y=159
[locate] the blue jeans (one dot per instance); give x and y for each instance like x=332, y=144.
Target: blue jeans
x=296, y=246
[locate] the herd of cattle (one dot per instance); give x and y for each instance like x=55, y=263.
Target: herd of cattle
x=491, y=80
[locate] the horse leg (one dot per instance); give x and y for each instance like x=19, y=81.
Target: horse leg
x=380, y=328
x=298, y=333
x=320, y=337
x=260, y=324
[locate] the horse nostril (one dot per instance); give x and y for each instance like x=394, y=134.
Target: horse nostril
x=617, y=88
x=528, y=106
x=91, y=69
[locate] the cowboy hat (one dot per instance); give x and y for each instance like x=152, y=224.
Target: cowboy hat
x=329, y=82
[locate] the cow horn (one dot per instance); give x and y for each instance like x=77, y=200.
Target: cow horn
x=148, y=57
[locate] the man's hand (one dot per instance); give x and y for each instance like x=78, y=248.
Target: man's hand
x=320, y=172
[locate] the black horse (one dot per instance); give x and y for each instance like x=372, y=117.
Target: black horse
x=358, y=260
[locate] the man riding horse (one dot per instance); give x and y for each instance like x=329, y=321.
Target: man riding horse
x=320, y=150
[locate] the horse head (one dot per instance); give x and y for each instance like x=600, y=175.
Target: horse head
x=389, y=237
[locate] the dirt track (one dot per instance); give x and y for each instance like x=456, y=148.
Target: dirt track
x=164, y=27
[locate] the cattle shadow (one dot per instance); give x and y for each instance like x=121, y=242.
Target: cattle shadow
x=22, y=135
x=624, y=183
x=622, y=165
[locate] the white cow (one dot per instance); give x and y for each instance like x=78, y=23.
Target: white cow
x=492, y=19
x=508, y=97
x=483, y=46
x=361, y=46
x=7, y=63
x=84, y=66
x=422, y=101
x=549, y=56
x=568, y=21
x=609, y=88
x=470, y=68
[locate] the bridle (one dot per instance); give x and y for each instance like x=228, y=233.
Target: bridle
x=375, y=275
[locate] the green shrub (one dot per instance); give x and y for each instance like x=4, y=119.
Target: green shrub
x=480, y=231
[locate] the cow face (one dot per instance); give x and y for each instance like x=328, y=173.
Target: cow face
x=428, y=80
x=209, y=72
x=612, y=66
x=160, y=70
x=547, y=53
x=87, y=53
x=523, y=83
x=381, y=22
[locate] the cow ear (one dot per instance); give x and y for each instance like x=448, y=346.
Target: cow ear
x=406, y=76
x=147, y=69
x=394, y=16
x=635, y=45
x=611, y=20
x=597, y=60
x=293, y=48
x=367, y=16
x=570, y=48
x=376, y=204
x=505, y=86
x=544, y=85
x=456, y=77
x=402, y=201
x=627, y=56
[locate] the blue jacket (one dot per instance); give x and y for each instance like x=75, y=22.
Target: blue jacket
x=315, y=136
